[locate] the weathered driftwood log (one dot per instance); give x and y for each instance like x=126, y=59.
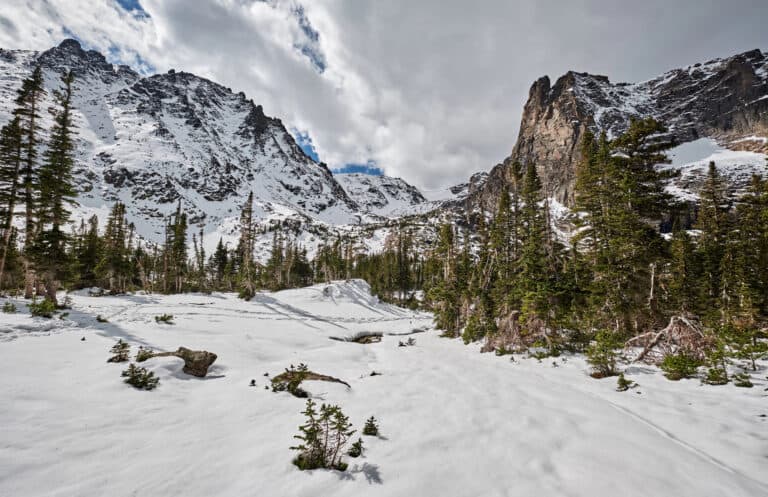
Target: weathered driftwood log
x=297, y=376
x=196, y=362
x=364, y=337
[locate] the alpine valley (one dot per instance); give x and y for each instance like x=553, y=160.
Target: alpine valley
x=154, y=141
x=587, y=318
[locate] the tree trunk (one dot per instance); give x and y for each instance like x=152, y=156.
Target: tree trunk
x=51, y=286
x=29, y=281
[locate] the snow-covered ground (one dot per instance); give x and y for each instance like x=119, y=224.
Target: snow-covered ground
x=454, y=422
x=692, y=160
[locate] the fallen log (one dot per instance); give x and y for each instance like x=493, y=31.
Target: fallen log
x=291, y=379
x=293, y=376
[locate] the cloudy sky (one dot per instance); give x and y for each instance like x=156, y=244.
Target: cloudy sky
x=429, y=90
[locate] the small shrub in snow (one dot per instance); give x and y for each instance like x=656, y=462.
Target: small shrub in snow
x=120, y=351
x=748, y=344
x=323, y=438
x=43, y=309
x=623, y=384
x=679, y=366
x=140, y=378
x=500, y=351
x=742, y=380
x=9, y=308
x=716, y=376
x=101, y=319
x=602, y=354
x=371, y=427
x=143, y=354
x=357, y=448
x=164, y=318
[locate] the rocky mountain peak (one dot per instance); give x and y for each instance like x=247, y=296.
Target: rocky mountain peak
x=724, y=99
x=70, y=55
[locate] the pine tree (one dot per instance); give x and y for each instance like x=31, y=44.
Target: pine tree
x=114, y=265
x=322, y=437
x=712, y=223
x=27, y=111
x=621, y=196
x=247, y=270
x=10, y=182
x=56, y=191
x=446, y=292
x=89, y=252
x=371, y=427
x=200, y=268
x=177, y=250
x=219, y=264
x=503, y=249
x=532, y=281
x=683, y=273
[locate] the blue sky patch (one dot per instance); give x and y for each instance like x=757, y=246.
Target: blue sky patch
x=310, y=47
x=369, y=167
x=304, y=141
x=134, y=7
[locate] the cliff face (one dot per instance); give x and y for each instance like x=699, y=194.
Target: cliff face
x=725, y=99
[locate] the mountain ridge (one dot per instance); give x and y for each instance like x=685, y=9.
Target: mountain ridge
x=154, y=141
x=724, y=98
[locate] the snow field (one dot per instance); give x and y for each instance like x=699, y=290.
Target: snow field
x=454, y=422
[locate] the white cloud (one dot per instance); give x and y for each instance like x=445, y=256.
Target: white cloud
x=430, y=90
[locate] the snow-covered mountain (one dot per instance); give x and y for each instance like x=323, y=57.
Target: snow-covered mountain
x=155, y=141
x=381, y=195
x=724, y=99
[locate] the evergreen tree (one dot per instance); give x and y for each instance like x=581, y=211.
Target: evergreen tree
x=88, y=252
x=712, y=224
x=27, y=111
x=176, y=251
x=114, y=264
x=683, y=273
x=247, y=270
x=10, y=168
x=57, y=191
x=533, y=280
x=622, y=200
x=446, y=292
x=220, y=264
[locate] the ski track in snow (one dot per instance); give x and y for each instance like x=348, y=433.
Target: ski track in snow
x=454, y=422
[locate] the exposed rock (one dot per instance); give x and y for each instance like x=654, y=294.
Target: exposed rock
x=380, y=195
x=723, y=98
x=196, y=362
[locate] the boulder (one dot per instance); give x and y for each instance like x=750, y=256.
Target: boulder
x=196, y=362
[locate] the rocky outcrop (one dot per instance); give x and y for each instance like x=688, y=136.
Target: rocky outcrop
x=722, y=99
x=196, y=362
x=380, y=195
